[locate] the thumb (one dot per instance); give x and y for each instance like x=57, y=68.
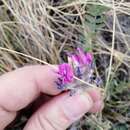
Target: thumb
x=60, y=112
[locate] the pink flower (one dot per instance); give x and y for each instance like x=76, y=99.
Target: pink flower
x=81, y=65
x=66, y=72
x=89, y=58
x=76, y=59
x=81, y=57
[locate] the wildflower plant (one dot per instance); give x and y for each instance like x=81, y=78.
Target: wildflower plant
x=80, y=66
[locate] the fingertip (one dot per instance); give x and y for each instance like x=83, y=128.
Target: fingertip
x=95, y=94
x=97, y=107
x=61, y=111
x=25, y=84
x=77, y=105
x=46, y=78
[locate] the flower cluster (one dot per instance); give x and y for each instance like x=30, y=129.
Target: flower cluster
x=81, y=65
x=81, y=61
x=66, y=75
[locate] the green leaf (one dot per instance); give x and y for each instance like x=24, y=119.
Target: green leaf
x=120, y=127
x=95, y=17
x=94, y=20
x=87, y=49
x=95, y=10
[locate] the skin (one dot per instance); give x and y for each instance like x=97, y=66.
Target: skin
x=22, y=86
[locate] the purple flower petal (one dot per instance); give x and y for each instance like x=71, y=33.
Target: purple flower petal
x=76, y=59
x=82, y=55
x=66, y=72
x=78, y=72
x=85, y=58
x=89, y=58
x=98, y=81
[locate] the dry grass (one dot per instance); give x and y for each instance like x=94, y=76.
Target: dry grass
x=41, y=31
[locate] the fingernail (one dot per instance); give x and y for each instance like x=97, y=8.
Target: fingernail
x=74, y=107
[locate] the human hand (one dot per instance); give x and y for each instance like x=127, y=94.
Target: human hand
x=20, y=87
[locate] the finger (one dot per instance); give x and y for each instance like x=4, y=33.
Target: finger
x=6, y=118
x=97, y=100
x=60, y=112
x=95, y=94
x=97, y=107
x=20, y=87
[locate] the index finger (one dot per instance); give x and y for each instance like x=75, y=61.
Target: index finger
x=22, y=86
